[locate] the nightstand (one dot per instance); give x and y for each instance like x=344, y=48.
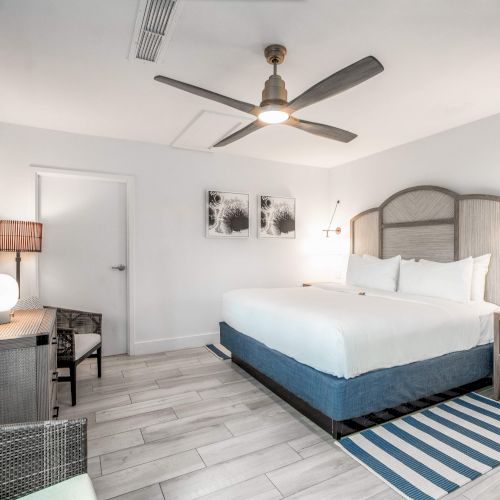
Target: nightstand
x=496, y=358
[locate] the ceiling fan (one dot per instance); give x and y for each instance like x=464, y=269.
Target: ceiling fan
x=275, y=108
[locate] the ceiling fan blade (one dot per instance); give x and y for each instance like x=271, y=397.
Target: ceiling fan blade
x=208, y=94
x=338, y=82
x=337, y=134
x=252, y=127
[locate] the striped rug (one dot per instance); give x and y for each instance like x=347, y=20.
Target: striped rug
x=428, y=454
x=219, y=351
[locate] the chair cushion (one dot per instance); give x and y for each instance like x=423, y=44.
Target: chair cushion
x=76, y=488
x=84, y=342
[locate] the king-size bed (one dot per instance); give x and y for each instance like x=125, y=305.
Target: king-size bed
x=341, y=352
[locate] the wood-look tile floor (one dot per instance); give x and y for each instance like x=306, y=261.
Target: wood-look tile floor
x=186, y=425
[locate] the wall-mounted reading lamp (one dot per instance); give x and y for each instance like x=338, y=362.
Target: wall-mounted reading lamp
x=337, y=230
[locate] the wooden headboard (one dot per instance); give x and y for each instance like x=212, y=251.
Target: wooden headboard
x=430, y=222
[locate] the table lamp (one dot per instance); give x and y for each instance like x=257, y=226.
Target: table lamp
x=20, y=236
x=9, y=292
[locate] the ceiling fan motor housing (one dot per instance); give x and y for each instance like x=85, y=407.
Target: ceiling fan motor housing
x=274, y=92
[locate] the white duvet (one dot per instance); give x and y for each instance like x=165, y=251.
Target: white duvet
x=335, y=330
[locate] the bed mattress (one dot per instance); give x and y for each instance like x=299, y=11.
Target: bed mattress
x=334, y=329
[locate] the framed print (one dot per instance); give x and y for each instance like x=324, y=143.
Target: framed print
x=227, y=215
x=276, y=217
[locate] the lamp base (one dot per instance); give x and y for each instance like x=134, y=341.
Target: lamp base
x=4, y=317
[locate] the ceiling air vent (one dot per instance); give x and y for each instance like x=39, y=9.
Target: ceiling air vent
x=153, y=28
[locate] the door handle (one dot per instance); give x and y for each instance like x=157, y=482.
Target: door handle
x=121, y=267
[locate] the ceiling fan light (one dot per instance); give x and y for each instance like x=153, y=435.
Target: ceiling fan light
x=273, y=116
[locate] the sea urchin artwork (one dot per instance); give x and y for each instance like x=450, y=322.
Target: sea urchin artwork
x=277, y=217
x=227, y=215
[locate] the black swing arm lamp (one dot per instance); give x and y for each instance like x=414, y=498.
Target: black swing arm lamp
x=329, y=230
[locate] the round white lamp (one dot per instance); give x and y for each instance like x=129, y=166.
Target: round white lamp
x=9, y=292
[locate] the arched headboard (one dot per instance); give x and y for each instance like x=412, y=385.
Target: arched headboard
x=430, y=222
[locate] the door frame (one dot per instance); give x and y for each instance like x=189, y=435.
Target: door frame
x=129, y=181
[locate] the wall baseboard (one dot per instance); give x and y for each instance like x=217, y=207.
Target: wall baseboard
x=166, y=344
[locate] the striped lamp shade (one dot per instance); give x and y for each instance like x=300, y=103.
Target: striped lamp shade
x=20, y=236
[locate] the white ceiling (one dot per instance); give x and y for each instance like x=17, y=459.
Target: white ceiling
x=64, y=66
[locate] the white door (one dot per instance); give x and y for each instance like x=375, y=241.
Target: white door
x=84, y=237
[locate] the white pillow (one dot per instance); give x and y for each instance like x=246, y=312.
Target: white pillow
x=479, y=272
x=381, y=274
x=450, y=280
x=480, y=267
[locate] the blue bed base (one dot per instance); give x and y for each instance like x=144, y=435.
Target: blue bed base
x=341, y=399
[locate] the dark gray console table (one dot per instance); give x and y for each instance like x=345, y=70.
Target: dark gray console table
x=28, y=367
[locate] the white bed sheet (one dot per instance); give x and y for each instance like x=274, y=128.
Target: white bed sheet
x=486, y=327
x=485, y=310
x=333, y=329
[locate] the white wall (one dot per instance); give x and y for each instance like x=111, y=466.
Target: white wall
x=180, y=274
x=464, y=159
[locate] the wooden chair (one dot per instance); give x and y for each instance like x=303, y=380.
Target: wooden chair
x=78, y=337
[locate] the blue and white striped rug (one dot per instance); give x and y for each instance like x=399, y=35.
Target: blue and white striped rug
x=219, y=351
x=428, y=454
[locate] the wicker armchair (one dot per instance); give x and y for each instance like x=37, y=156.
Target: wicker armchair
x=79, y=337
x=34, y=456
